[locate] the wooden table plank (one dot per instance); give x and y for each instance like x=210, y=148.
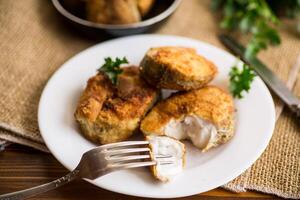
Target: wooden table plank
x=22, y=167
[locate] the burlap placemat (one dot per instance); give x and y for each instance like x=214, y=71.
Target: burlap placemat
x=35, y=42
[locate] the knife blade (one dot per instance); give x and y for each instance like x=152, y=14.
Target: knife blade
x=278, y=87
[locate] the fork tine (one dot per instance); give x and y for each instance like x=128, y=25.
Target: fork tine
x=123, y=144
x=131, y=165
x=127, y=158
x=124, y=151
x=107, y=147
x=166, y=162
x=163, y=156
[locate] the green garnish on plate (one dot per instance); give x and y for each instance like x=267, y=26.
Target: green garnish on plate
x=240, y=80
x=112, y=68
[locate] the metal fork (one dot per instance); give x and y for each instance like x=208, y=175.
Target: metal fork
x=98, y=162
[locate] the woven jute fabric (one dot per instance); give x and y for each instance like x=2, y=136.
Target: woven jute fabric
x=35, y=42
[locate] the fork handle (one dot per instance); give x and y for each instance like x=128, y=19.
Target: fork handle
x=23, y=194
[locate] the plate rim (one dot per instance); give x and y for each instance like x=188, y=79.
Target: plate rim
x=234, y=175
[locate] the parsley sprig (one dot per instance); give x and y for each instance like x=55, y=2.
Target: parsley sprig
x=258, y=18
x=251, y=16
x=112, y=68
x=240, y=80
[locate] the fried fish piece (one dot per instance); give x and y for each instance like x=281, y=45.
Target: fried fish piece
x=166, y=146
x=108, y=114
x=177, y=68
x=117, y=11
x=144, y=6
x=113, y=11
x=205, y=116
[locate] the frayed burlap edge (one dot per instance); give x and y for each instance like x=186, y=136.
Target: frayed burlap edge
x=16, y=138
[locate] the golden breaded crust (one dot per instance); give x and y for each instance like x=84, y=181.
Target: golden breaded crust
x=109, y=114
x=144, y=6
x=210, y=103
x=177, y=68
x=113, y=11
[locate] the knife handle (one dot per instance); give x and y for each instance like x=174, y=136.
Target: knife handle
x=296, y=109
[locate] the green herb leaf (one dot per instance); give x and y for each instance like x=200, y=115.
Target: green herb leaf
x=112, y=68
x=240, y=80
x=252, y=16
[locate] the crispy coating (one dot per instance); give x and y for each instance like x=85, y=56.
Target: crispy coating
x=112, y=11
x=108, y=114
x=177, y=68
x=144, y=6
x=117, y=11
x=209, y=103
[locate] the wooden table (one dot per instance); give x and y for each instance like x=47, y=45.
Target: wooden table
x=22, y=167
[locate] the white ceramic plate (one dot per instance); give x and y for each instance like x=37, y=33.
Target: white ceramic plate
x=255, y=119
